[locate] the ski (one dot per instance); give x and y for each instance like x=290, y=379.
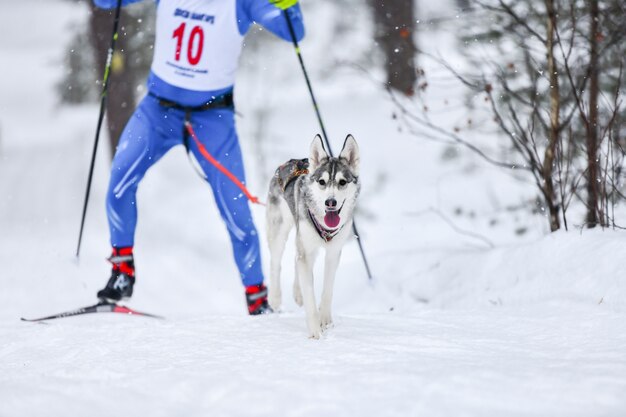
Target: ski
x=102, y=307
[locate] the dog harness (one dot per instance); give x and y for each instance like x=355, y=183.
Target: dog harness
x=325, y=234
x=290, y=170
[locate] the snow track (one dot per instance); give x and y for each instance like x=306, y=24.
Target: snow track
x=434, y=363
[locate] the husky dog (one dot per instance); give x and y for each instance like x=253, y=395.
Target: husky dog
x=318, y=196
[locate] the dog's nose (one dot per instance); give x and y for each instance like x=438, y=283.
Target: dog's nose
x=331, y=203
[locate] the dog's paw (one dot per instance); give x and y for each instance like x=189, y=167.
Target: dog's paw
x=315, y=333
x=326, y=320
x=315, y=329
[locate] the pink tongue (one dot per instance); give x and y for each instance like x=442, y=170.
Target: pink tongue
x=331, y=219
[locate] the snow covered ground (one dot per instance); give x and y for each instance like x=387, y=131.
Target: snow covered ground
x=474, y=309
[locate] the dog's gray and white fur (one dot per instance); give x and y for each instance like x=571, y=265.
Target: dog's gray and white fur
x=326, y=195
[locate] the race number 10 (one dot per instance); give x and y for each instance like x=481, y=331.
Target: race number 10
x=195, y=43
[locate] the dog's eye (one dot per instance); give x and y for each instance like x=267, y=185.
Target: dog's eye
x=342, y=183
x=321, y=182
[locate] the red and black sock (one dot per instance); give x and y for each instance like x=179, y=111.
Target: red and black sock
x=256, y=296
x=123, y=261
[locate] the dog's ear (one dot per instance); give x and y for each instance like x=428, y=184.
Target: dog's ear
x=350, y=153
x=318, y=154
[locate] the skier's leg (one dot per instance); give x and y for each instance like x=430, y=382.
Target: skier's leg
x=143, y=142
x=216, y=130
x=149, y=133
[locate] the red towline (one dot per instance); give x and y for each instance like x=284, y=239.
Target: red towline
x=219, y=166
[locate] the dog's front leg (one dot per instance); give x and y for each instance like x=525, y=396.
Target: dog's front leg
x=331, y=263
x=297, y=292
x=304, y=263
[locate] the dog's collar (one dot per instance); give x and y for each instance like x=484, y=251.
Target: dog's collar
x=325, y=234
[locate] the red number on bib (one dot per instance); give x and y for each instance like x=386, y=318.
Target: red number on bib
x=192, y=56
x=178, y=34
x=195, y=32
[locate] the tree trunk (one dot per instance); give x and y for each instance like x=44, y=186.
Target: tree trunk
x=594, y=211
x=554, y=131
x=122, y=81
x=395, y=27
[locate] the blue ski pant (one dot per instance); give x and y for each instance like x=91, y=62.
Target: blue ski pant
x=151, y=132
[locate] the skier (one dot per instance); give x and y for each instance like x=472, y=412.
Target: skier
x=198, y=43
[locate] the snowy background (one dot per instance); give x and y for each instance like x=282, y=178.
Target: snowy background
x=474, y=310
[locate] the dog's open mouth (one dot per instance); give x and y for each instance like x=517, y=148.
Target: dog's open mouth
x=332, y=218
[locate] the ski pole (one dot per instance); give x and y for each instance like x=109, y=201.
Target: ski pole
x=319, y=119
x=103, y=98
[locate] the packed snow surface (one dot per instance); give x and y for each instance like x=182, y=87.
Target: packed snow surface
x=474, y=309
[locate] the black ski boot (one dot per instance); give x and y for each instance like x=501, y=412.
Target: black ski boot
x=256, y=296
x=120, y=285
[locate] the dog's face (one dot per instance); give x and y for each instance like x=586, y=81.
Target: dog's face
x=333, y=183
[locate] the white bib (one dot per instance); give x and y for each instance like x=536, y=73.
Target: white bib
x=197, y=43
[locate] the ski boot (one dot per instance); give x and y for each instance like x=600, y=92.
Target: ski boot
x=120, y=285
x=256, y=296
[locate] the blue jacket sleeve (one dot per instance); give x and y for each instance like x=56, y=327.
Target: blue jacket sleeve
x=112, y=4
x=270, y=17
